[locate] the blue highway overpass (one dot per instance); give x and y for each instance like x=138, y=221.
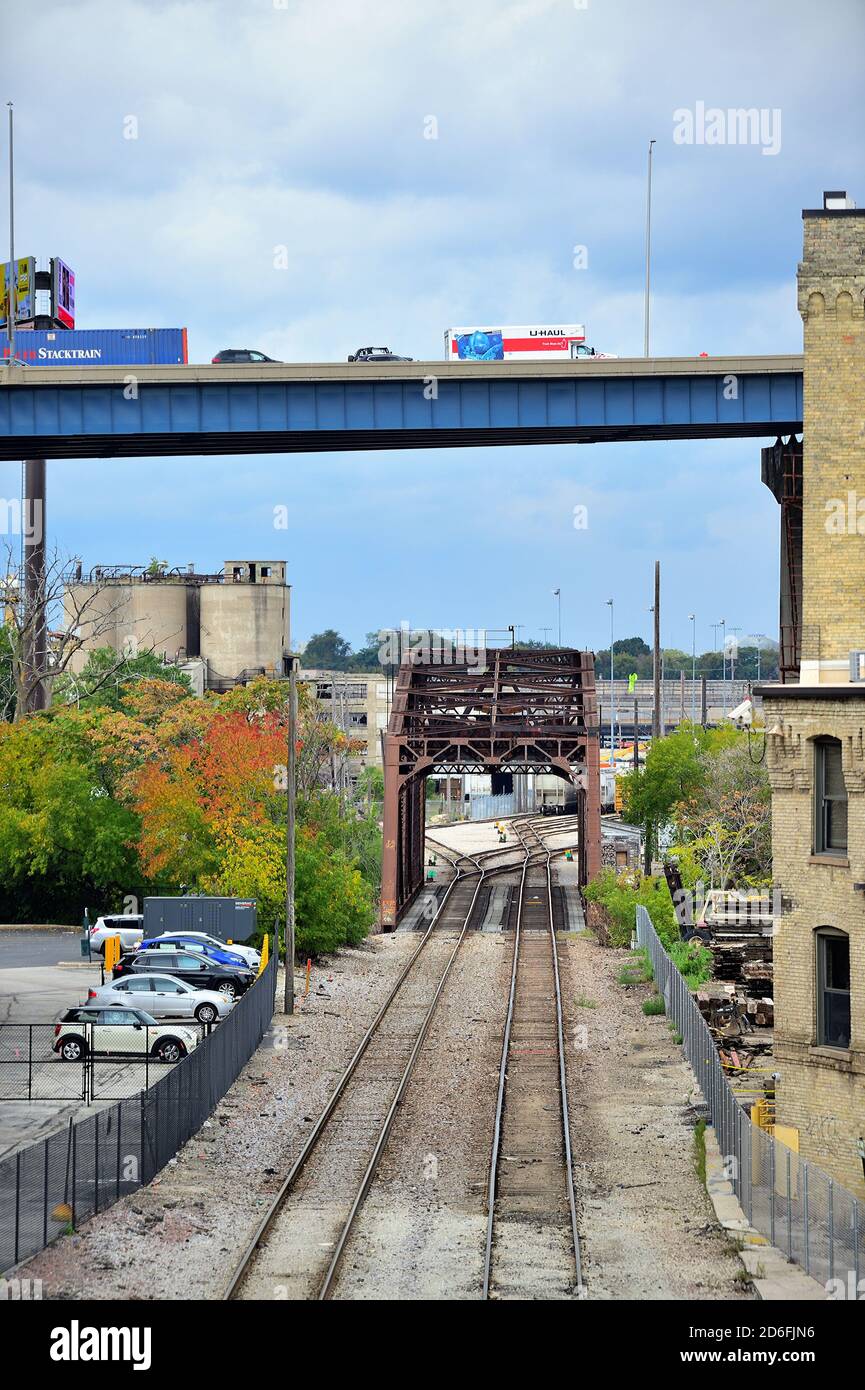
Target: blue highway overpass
x=115, y=412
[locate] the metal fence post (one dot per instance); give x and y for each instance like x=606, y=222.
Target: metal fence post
x=772, y=1191
x=805, y=1217
x=45, y=1194
x=141, y=1138
x=789, y=1212
x=96, y=1165
x=831, y=1229
x=73, y=1205
x=119, y=1131
x=17, y=1202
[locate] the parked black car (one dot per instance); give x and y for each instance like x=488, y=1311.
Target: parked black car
x=241, y=355
x=377, y=354
x=199, y=970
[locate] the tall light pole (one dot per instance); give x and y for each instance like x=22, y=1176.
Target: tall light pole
x=13, y=285
x=723, y=626
x=289, y=836
x=557, y=594
x=612, y=691
x=648, y=251
x=693, y=620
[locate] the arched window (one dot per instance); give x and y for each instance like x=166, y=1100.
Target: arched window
x=833, y=988
x=830, y=798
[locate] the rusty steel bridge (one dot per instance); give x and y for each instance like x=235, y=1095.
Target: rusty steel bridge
x=525, y=710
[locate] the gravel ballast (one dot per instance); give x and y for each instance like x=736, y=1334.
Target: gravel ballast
x=647, y=1228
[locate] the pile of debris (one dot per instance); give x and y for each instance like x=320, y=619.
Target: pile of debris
x=730, y=1013
x=739, y=999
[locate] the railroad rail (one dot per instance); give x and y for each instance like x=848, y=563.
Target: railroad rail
x=532, y=1243
x=317, y=1203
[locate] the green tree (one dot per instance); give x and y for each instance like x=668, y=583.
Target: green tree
x=64, y=840
x=326, y=651
x=367, y=657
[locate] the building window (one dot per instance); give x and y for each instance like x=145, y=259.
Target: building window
x=833, y=988
x=830, y=799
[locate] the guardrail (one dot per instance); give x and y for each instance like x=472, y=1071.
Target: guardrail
x=53, y=1185
x=798, y=1207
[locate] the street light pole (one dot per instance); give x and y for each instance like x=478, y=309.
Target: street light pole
x=289, y=836
x=723, y=626
x=693, y=618
x=612, y=691
x=11, y=305
x=648, y=251
x=557, y=594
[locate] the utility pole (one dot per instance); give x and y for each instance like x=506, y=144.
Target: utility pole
x=693, y=620
x=656, y=660
x=648, y=252
x=612, y=694
x=291, y=793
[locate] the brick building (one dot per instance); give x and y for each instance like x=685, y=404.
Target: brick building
x=816, y=727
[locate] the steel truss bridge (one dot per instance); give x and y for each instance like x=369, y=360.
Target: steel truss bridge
x=525, y=711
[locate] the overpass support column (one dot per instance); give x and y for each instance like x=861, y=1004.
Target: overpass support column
x=781, y=471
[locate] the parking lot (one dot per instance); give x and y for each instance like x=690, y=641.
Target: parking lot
x=42, y=974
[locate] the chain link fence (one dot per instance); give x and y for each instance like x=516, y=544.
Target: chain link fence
x=91, y=1061
x=54, y=1185
x=799, y=1208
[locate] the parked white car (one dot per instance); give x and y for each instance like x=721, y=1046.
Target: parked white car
x=120, y=1032
x=129, y=926
x=163, y=996
x=247, y=953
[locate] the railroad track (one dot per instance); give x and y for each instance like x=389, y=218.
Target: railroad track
x=297, y=1247
x=532, y=1244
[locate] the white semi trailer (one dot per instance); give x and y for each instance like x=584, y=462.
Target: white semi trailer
x=521, y=343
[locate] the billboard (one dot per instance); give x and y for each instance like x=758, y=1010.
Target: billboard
x=25, y=291
x=62, y=293
x=523, y=343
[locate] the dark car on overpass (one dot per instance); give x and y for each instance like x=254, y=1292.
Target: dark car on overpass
x=377, y=354
x=241, y=355
x=196, y=969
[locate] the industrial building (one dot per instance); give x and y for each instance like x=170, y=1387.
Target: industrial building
x=815, y=724
x=223, y=629
x=358, y=702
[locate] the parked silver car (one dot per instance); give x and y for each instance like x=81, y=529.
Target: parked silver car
x=163, y=996
x=129, y=926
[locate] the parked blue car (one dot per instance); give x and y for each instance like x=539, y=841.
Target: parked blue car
x=188, y=943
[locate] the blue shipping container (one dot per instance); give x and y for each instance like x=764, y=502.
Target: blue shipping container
x=111, y=347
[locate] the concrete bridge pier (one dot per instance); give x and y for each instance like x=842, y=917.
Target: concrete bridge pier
x=781, y=471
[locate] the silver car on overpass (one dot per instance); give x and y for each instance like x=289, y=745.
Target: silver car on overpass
x=163, y=996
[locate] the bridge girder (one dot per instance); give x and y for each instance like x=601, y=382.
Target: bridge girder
x=528, y=710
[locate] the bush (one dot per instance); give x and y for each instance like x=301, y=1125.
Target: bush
x=693, y=959
x=621, y=893
x=655, y=1005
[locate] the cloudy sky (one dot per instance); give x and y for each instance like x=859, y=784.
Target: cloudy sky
x=301, y=124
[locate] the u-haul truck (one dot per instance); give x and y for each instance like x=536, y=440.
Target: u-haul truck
x=523, y=343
